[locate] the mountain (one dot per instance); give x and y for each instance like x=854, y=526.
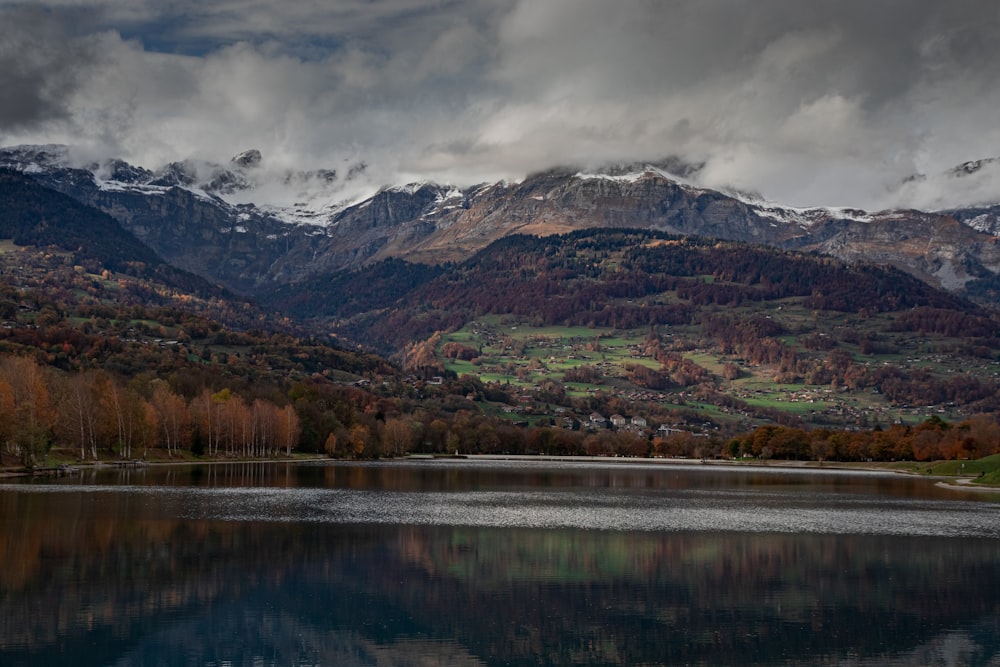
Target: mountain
x=624, y=278
x=640, y=321
x=203, y=218
x=702, y=335
x=35, y=215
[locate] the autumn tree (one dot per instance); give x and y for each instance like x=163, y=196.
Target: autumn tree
x=437, y=434
x=398, y=437
x=29, y=415
x=420, y=357
x=78, y=406
x=125, y=418
x=207, y=411
x=288, y=429
x=359, y=435
x=330, y=445
x=173, y=417
x=7, y=416
x=264, y=428
x=238, y=426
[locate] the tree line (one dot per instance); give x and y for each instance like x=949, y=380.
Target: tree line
x=97, y=415
x=94, y=412
x=934, y=439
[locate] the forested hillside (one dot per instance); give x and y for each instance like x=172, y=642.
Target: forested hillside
x=699, y=336
x=597, y=342
x=619, y=279
x=38, y=216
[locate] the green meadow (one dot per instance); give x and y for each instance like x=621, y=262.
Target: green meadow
x=526, y=357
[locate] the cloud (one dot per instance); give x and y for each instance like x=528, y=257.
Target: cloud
x=38, y=69
x=809, y=103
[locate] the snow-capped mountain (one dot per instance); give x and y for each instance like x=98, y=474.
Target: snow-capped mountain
x=295, y=196
x=245, y=226
x=971, y=190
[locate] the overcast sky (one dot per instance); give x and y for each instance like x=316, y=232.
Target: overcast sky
x=819, y=102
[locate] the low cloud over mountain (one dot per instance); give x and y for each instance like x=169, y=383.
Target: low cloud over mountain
x=829, y=104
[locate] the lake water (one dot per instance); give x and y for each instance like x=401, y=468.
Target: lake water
x=496, y=563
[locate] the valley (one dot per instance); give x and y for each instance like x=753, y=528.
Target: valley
x=555, y=374
x=604, y=340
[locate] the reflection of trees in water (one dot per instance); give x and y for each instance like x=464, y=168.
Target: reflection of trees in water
x=261, y=635
x=88, y=587
x=385, y=595
x=85, y=568
x=701, y=597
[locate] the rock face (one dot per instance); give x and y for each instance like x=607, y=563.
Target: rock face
x=181, y=213
x=935, y=248
x=248, y=159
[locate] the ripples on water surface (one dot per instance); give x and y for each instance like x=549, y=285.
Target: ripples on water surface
x=484, y=563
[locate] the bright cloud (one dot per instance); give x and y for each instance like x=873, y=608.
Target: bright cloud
x=826, y=103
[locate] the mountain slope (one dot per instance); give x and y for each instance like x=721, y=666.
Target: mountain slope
x=641, y=322
x=623, y=278
x=35, y=215
x=431, y=224
x=250, y=248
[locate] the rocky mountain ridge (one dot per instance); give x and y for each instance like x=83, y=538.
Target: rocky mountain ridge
x=202, y=219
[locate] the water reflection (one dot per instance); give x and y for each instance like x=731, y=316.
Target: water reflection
x=481, y=475
x=97, y=576
x=651, y=498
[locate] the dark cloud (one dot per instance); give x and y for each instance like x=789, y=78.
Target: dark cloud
x=38, y=68
x=828, y=102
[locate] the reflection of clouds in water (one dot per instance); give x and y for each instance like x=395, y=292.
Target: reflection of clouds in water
x=339, y=576
x=750, y=511
x=725, y=510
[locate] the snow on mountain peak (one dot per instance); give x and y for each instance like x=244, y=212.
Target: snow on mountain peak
x=973, y=166
x=971, y=184
x=672, y=169
x=31, y=158
x=248, y=159
x=316, y=196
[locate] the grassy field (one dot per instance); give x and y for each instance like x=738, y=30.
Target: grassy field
x=548, y=352
x=526, y=357
x=988, y=468
x=984, y=471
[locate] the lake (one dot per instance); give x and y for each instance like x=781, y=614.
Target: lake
x=473, y=562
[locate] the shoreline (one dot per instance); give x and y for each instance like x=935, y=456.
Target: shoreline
x=965, y=484
x=9, y=473
x=961, y=483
